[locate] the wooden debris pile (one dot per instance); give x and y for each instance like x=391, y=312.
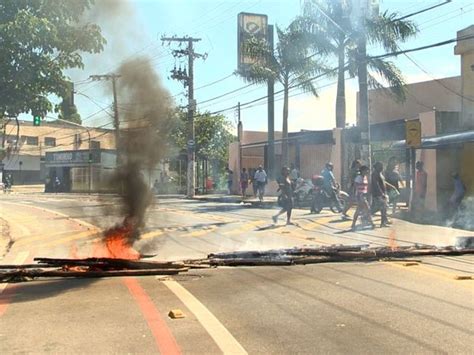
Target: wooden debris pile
x=107, y=267
x=334, y=253
x=90, y=267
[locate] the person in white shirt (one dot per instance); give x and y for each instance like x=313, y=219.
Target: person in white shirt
x=260, y=178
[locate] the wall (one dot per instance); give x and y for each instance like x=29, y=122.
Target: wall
x=429, y=158
x=313, y=158
x=467, y=167
x=421, y=97
x=465, y=49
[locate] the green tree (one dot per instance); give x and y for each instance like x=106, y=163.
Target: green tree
x=290, y=64
x=212, y=136
x=330, y=25
x=39, y=39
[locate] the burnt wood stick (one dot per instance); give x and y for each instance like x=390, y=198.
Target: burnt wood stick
x=110, y=263
x=26, y=266
x=33, y=273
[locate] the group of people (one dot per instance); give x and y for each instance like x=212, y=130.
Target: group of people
x=369, y=195
x=257, y=177
x=384, y=189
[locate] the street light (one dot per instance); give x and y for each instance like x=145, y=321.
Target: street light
x=90, y=148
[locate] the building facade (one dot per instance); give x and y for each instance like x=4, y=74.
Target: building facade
x=26, y=147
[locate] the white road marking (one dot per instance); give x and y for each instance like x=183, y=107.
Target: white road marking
x=224, y=340
x=19, y=259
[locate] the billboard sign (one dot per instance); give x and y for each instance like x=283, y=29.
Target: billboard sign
x=249, y=26
x=413, y=133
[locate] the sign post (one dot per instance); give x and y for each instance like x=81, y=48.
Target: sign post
x=413, y=133
x=413, y=141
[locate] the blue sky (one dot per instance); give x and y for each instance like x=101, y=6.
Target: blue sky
x=136, y=31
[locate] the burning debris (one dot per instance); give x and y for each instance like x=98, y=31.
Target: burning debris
x=88, y=268
x=106, y=267
x=143, y=135
x=334, y=253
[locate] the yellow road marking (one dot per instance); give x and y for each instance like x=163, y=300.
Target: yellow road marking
x=152, y=234
x=431, y=272
x=200, y=233
x=322, y=222
x=301, y=236
x=244, y=228
x=222, y=337
x=198, y=215
x=69, y=238
x=39, y=237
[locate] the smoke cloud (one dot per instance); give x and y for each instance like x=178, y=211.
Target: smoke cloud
x=145, y=111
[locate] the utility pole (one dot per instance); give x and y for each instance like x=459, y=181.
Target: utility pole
x=363, y=9
x=364, y=123
x=239, y=136
x=271, y=114
x=188, y=81
x=113, y=78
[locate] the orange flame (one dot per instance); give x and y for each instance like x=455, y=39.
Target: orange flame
x=392, y=242
x=116, y=242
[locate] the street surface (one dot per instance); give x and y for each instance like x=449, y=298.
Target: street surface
x=381, y=307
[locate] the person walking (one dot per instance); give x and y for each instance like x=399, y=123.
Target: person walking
x=295, y=174
x=421, y=186
x=261, y=179
x=244, y=181
x=57, y=184
x=230, y=180
x=379, y=193
x=457, y=196
x=361, y=185
x=330, y=185
x=286, y=198
x=395, y=181
x=354, y=172
x=253, y=181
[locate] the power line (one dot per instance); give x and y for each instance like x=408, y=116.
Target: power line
x=438, y=44
x=436, y=80
x=423, y=10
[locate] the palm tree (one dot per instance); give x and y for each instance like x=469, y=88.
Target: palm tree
x=290, y=64
x=330, y=25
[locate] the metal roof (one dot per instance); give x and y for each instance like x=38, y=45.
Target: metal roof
x=441, y=141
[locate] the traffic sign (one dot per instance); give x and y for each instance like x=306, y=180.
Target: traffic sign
x=191, y=143
x=413, y=133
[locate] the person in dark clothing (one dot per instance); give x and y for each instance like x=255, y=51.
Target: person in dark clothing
x=379, y=193
x=244, y=181
x=394, y=181
x=286, y=188
x=354, y=172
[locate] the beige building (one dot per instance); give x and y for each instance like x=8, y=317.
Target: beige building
x=465, y=49
x=445, y=108
x=27, y=150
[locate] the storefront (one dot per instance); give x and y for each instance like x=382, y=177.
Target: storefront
x=79, y=170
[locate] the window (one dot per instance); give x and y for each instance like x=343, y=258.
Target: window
x=50, y=141
x=29, y=140
x=77, y=139
x=95, y=145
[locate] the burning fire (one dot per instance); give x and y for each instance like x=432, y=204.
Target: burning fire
x=392, y=241
x=116, y=242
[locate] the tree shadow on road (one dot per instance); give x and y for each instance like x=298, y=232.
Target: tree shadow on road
x=37, y=290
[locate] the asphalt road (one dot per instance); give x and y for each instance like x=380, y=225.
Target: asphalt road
x=376, y=307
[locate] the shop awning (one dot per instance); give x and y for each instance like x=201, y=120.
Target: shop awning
x=441, y=141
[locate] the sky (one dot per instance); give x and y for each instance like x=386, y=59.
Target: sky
x=135, y=27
